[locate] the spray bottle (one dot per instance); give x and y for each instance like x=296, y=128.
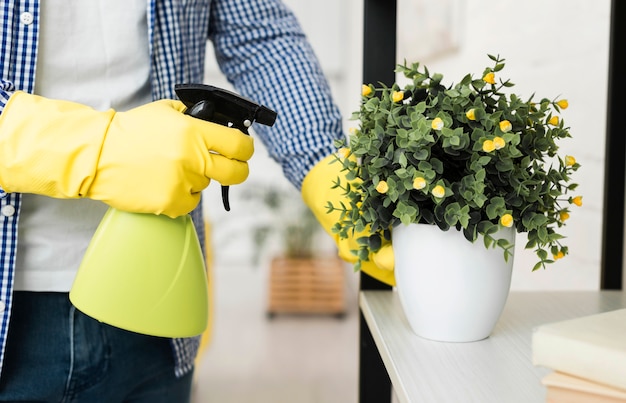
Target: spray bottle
x=146, y=273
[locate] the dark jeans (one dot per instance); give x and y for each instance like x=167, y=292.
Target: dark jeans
x=55, y=353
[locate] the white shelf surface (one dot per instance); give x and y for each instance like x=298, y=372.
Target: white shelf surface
x=497, y=369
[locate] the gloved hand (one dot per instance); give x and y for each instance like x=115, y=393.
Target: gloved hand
x=151, y=159
x=317, y=192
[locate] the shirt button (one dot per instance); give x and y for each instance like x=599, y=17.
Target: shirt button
x=26, y=18
x=2, y=306
x=8, y=210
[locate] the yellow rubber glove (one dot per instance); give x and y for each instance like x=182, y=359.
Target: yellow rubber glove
x=317, y=191
x=151, y=159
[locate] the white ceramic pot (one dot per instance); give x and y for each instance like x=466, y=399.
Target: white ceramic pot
x=450, y=289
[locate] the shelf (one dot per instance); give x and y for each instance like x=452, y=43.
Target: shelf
x=497, y=369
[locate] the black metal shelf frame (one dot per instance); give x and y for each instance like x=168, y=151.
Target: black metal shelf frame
x=615, y=157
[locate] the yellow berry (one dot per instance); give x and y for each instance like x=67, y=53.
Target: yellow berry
x=498, y=143
x=398, y=96
x=471, y=114
x=439, y=191
x=488, y=146
x=505, y=126
x=506, y=220
x=419, y=183
x=437, y=124
x=382, y=187
x=366, y=90
x=490, y=78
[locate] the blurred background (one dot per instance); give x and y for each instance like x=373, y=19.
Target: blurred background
x=556, y=49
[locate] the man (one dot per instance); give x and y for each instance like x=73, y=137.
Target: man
x=88, y=120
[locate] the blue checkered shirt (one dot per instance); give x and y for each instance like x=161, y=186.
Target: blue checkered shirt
x=260, y=48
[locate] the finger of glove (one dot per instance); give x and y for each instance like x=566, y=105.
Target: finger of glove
x=174, y=104
x=182, y=206
x=384, y=258
x=224, y=170
x=140, y=197
x=229, y=142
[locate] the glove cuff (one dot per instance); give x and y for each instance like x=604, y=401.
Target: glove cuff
x=50, y=147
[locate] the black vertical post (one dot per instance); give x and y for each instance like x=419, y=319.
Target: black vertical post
x=615, y=163
x=379, y=60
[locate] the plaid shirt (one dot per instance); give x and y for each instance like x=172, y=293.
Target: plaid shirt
x=261, y=49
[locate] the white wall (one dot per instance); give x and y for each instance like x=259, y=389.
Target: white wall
x=553, y=48
x=556, y=48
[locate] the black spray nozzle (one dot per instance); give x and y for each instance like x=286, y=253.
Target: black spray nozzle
x=223, y=107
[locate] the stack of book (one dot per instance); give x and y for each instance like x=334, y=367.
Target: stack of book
x=587, y=356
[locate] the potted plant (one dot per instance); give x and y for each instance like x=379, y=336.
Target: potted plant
x=465, y=158
x=303, y=277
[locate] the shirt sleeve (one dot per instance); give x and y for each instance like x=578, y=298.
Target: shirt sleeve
x=263, y=52
x=6, y=90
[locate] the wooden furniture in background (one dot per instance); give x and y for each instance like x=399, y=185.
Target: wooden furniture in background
x=307, y=286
